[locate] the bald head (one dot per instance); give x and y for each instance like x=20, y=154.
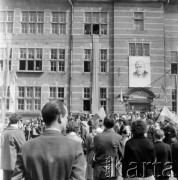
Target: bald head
x=139, y=67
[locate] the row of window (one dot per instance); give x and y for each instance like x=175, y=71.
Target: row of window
x=29, y=98
x=32, y=22
x=31, y=58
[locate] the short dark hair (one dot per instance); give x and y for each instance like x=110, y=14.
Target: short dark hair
x=159, y=134
x=138, y=128
x=109, y=122
x=52, y=110
x=14, y=118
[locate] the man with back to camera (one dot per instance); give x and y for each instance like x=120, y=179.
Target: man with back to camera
x=108, y=150
x=140, y=71
x=12, y=140
x=51, y=156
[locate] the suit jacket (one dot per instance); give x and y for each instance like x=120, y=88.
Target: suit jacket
x=175, y=158
x=163, y=156
x=138, y=158
x=51, y=156
x=12, y=140
x=107, y=147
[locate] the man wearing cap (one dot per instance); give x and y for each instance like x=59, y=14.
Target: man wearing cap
x=51, y=156
x=12, y=140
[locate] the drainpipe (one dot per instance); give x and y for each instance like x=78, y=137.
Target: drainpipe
x=165, y=84
x=71, y=56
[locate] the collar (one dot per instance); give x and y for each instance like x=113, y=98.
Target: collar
x=109, y=130
x=52, y=129
x=14, y=126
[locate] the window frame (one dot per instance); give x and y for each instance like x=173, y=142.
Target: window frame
x=104, y=60
x=57, y=60
x=26, y=59
x=87, y=59
x=86, y=97
x=58, y=23
x=28, y=103
x=144, y=50
x=7, y=25
x=104, y=99
x=174, y=62
x=92, y=23
x=29, y=26
x=137, y=19
x=56, y=93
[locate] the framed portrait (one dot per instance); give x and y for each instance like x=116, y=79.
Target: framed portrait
x=139, y=71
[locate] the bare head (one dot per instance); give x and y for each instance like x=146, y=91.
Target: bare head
x=139, y=67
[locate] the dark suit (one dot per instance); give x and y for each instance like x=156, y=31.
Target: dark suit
x=175, y=158
x=138, y=158
x=50, y=156
x=163, y=155
x=107, y=147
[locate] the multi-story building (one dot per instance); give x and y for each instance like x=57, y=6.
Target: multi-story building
x=89, y=53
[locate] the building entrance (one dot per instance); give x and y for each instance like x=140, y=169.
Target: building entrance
x=139, y=99
x=141, y=107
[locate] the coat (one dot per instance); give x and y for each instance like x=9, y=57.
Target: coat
x=12, y=140
x=108, y=149
x=164, y=160
x=139, y=157
x=50, y=156
x=175, y=158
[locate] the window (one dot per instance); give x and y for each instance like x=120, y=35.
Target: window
x=103, y=98
x=86, y=99
x=139, y=49
x=57, y=93
x=7, y=99
x=174, y=100
x=31, y=59
x=103, y=60
x=6, y=21
x=32, y=22
x=58, y=24
x=138, y=21
x=87, y=60
x=29, y=98
x=4, y=53
x=95, y=23
x=174, y=62
x=58, y=60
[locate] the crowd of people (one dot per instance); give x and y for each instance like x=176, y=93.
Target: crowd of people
x=65, y=146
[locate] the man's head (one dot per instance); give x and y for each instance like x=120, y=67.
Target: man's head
x=139, y=67
x=159, y=134
x=109, y=122
x=138, y=128
x=14, y=118
x=55, y=111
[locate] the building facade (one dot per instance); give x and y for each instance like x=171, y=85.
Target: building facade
x=118, y=54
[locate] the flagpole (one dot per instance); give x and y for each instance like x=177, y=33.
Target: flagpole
x=176, y=93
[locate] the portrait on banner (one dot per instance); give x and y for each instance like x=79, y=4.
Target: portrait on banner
x=139, y=71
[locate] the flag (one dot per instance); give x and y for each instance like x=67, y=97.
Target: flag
x=175, y=119
x=100, y=114
x=165, y=114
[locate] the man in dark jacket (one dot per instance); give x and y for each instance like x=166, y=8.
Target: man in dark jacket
x=139, y=155
x=163, y=156
x=51, y=156
x=12, y=140
x=175, y=159
x=108, y=150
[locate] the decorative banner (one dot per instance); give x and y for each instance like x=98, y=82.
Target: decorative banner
x=139, y=71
